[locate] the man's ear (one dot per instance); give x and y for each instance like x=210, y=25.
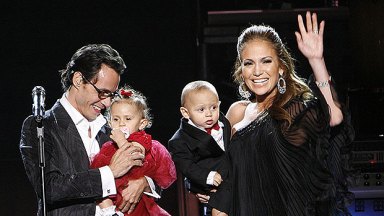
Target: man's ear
x=143, y=124
x=77, y=79
x=184, y=112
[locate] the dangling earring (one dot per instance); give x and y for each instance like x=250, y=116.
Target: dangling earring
x=244, y=93
x=281, y=85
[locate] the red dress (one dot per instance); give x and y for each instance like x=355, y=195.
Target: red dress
x=157, y=165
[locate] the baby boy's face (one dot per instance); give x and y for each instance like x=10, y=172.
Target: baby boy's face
x=202, y=108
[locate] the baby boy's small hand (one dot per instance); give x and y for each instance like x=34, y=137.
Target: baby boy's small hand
x=217, y=179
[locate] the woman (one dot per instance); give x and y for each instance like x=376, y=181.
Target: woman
x=288, y=136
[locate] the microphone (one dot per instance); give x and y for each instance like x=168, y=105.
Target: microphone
x=38, y=107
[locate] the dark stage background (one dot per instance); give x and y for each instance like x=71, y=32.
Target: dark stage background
x=164, y=46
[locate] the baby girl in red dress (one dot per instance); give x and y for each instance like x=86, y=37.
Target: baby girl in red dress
x=129, y=116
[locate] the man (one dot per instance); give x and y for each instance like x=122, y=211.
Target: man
x=73, y=133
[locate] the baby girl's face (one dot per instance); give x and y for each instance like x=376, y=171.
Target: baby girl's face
x=127, y=117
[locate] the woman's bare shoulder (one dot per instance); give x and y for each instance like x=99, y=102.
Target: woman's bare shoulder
x=236, y=111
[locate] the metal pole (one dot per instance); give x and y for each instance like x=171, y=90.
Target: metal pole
x=40, y=136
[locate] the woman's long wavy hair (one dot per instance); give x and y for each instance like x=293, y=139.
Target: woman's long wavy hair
x=295, y=85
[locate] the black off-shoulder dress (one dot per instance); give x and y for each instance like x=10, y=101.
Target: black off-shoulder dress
x=298, y=170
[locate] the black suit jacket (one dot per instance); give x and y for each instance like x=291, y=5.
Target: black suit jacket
x=196, y=154
x=71, y=186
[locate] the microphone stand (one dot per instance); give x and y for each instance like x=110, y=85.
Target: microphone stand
x=38, y=96
x=40, y=136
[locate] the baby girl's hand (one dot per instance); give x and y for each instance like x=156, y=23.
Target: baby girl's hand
x=118, y=136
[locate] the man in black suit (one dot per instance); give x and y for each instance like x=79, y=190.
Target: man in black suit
x=74, y=131
x=198, y=146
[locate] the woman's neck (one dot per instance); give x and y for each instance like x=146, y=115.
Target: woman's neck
x=265, y=101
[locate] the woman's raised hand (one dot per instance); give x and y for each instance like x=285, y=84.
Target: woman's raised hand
x=310, y=37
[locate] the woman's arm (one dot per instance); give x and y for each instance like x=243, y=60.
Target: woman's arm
x=310, y=43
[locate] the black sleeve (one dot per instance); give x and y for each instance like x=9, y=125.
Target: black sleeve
x=63, y=183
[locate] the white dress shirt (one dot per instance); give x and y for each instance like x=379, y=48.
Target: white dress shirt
x=90, y=143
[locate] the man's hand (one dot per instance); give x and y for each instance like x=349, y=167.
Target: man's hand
x=124, y=159
x=132, y=194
